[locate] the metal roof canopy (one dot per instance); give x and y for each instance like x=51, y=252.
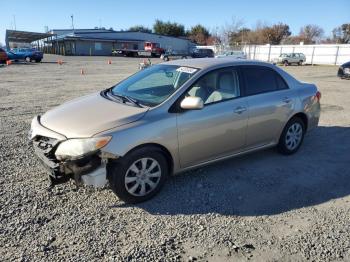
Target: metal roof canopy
x=24, y=37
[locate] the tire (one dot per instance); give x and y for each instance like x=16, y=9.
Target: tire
x=300, y=62
x=125, y=170
x=37, y=60
x=285, y=63
x=293, y=131
x=28, y=59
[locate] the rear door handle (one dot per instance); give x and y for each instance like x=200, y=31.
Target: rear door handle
x=240, y=109
x=286, y=100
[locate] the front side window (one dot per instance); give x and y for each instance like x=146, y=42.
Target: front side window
x=155, y=84
x=215, y=86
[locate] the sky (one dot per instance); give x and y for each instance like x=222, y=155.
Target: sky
x=35, y=15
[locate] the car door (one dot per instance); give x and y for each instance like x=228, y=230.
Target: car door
x=295, y=58
x=219, y=128
x=270, y=103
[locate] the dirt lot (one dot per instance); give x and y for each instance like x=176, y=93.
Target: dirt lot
x=259, y=207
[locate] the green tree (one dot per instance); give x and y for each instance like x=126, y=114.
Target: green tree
x=140, y=28
x=168, y=28
x=239, y=37
x=199, y=34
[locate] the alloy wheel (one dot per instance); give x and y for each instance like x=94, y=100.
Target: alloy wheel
x=142, y=177
x=294, y=136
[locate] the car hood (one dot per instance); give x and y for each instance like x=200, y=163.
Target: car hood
x=89, y=115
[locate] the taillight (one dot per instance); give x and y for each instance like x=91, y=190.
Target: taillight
x=318, y=95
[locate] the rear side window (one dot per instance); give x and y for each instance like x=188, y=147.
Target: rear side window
x=281, y=83
x=260, y=79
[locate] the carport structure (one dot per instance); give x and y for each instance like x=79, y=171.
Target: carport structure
x=40, y=39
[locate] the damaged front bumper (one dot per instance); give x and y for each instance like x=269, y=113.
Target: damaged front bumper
x=89, y=169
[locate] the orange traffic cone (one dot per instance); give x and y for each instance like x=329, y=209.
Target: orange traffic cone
x=8, y=62
x=82, y=72
x=109, y=62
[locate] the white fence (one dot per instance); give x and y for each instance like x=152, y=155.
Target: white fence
x=315, y=54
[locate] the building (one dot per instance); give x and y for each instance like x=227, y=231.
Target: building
x=103, y=42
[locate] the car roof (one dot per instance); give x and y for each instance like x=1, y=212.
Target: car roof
x=204, y=63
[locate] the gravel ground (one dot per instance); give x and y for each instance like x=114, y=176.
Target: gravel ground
x=258, y=207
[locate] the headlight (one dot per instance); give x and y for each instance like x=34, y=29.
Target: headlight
x=72, y=148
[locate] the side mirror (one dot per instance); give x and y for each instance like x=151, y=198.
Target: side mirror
x=192, y=103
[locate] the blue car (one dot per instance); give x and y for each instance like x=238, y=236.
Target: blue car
x=27, y=54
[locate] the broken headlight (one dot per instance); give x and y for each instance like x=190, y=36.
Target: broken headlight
x=76, y=147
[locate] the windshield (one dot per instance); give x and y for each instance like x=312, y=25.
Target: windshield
x=155, y=84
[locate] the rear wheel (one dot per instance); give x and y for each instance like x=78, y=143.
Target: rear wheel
x=292, y=136
x=139, y=175
x=28, y=59
x=300, y=62
x=37, y=60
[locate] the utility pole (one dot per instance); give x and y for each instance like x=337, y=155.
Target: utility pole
x=14, y=21
x=72, y=17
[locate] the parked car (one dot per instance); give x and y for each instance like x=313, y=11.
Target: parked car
x=173, y=117
x=3, y=56
x=290, y=58
x=173, y=55
x=232, y=54
x=202, y=53
x=344, y=71
x=196, y=53
x=27, y=54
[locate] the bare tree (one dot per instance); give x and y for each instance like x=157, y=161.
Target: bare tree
x=228, y=29
x=311, y=33
x=341, y=34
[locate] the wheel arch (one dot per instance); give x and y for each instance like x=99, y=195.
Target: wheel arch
x=300, y=115
x=303, y=117
x=157, y=147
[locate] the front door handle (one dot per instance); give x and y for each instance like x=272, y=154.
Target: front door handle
x=286, y=100
x=240, y=109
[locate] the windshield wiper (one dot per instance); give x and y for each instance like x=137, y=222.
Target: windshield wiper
x=125, y=99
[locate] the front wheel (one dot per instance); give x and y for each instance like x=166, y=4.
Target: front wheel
x=28, y=59
x=286, y=63
x=292, y=136
x=139, y=175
